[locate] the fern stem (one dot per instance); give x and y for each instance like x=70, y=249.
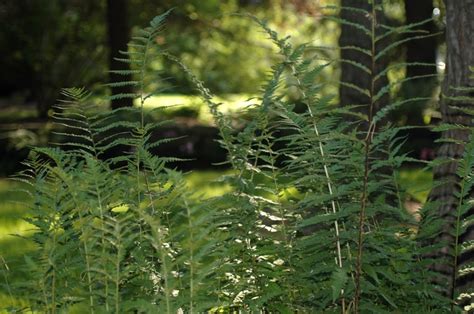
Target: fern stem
x=191, y=259
x=367, y=142
x=53, y=279
x=397, y=188
x=45, y=296
x=117, y=270
x=160, y=246
x=5, y=276
x=89, y=279
x=87, y=259
x=465, y=176
x=361, y=228
x=103, y=242
x=86, y=255
x=291, y=290
x=326, y=171
x=142, y=119
x=327, y=175
x=86, y=249
x=165, y=270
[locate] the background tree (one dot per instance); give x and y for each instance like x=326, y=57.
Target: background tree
x=422, y=50
x=48, y=44
x=454, y=102
x=118, y=34
x=350, y=39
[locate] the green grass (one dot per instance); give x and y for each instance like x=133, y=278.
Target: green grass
x=230, y=103
x=11, y=211
x=17, y=113
x=12, y=245
x=417, y=183
x=183, y=104
x=205, y=184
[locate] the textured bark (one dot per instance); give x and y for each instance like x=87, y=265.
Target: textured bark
x=118, y=38
x=460, y=55
x=353, y=37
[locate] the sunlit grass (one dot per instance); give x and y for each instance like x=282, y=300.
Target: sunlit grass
x=417, y=182
x=13, y=245
x=230, y=103
x=7, y=300
x=12, y=211
x=206, y=184
x=17, y=113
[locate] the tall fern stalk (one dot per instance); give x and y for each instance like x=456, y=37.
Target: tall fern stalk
x=367, y=151
x=465, y=170
x=329, y=184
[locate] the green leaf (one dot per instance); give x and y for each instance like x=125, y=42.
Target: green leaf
x=338, y=281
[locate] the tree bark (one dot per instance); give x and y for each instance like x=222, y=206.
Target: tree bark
x=460, y=55
x=354, y=37
x=118, y=38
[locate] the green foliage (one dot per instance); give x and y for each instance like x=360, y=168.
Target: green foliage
x=50, y=44
x=314, y=220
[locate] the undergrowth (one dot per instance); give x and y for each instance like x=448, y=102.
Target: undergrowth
x=314, y=220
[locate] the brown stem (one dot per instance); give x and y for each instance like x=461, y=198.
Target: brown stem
x=367, y=144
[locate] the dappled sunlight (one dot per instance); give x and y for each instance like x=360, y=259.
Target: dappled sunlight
x=417, y=182
x=231, y=103
x=206, y=184
x=12, y=211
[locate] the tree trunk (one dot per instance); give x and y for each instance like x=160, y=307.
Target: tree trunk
x=420, y=51
x=118, y=37
x=350, y=74
x=460, y=55
x=350, y=37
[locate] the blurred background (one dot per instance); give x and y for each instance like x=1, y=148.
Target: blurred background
x=49, y=44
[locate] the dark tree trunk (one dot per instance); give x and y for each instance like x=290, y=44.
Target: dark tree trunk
x=118, y=38
x=351, y=37
x=460, y=55
x=354, y=37
x=419, y=51
x=352, y=75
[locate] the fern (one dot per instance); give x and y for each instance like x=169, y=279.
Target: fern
x=315, y=221
x=465, y=171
